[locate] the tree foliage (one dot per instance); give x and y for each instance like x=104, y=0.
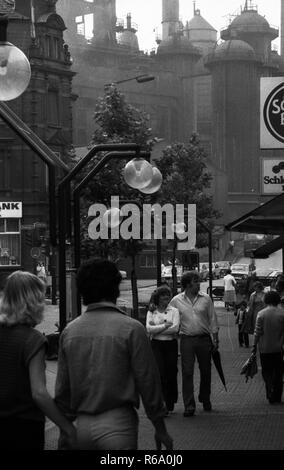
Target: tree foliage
x=186, y=180
x=116, y=121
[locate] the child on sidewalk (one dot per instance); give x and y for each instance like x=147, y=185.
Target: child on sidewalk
x=240, y=321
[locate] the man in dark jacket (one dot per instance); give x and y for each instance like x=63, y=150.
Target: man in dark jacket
x=105, y=364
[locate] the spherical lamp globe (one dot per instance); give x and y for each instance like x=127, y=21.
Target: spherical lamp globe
x=155, y=184
x=15, y=72
x=112, y=217
x=138, y=173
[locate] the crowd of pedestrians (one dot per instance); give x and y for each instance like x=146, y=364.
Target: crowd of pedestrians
x=108, y=361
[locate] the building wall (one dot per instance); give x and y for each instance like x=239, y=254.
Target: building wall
x=46, y=108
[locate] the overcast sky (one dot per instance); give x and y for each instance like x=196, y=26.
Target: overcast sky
x=148, y=14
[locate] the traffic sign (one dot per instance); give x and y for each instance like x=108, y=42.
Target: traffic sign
x=272, y=112
x=35, y=252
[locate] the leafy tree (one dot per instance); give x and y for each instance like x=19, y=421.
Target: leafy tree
x=116, y=121
x=186, y=180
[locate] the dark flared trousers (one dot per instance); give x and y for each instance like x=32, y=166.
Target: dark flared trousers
x=192, y=347
x=166, y=354
x=272, y=373
x=243, y=337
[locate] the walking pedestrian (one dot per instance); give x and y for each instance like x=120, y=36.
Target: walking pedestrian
x=41, y=272
x=162, y=323
x=229, y=290
x=269, y=337
x=105, y=363
x=279, y=286
x=255, y=304
x=231, y=246
x=24, y=400
x=198, y=325
x=240, y=321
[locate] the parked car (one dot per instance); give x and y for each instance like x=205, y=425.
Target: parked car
x=123, y=274
x=240, y=271
x=268, y=276
x=167, y=273
x=222, y=268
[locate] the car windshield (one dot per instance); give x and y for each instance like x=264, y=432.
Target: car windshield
x=263, y=272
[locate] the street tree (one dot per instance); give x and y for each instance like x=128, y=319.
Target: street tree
x=186, y=180
x=116, y=121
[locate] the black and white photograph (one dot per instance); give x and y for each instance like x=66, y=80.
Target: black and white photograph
x=142, y=228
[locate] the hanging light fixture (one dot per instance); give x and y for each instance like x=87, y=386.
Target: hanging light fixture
x=155, y=183
x=138, y=173
x=15, y=70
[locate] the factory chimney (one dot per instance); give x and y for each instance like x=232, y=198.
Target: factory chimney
x=170, y=19
x=104, y=23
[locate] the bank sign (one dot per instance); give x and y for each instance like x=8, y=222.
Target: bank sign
x=272, y=176
x=9, y=210
x=272, y=112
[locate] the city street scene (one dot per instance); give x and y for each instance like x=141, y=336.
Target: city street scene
x=141, y=225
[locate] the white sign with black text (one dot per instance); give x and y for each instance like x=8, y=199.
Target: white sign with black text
x=272, y=175
x=10, y=210
x=272, y=112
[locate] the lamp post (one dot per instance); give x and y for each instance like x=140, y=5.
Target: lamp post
x=138, y=174
x=139, y=79
x=15, y=74
x=15, y=70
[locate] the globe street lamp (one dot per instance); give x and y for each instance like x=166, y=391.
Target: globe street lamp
x=139, y=79
x=15, y=70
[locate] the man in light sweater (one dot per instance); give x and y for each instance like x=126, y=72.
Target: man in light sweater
x=269, y=336
x=198, y=333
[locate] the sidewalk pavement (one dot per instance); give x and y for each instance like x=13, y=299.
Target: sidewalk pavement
x=241, y=418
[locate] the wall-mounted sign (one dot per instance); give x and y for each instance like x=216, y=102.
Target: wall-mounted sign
x=272, y=112
x=6, y=6
x=10, y=210
x=272, y=175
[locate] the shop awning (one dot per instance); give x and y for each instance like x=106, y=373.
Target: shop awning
x=265, y=250
x=267, y=218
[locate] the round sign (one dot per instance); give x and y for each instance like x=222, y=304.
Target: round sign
x=35, y=252
x=273, y=112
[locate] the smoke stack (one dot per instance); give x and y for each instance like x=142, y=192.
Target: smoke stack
x=104, y=23
x=170, y=20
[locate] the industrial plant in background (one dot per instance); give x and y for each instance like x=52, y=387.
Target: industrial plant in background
x=199, y=87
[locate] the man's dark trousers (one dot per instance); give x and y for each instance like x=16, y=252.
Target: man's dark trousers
x=192, y=347
x=272, y=373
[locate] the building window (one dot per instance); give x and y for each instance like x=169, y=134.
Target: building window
x=5, y=175
x=53, y=117
x=10, y=242
x=148, y=261
x=48, y=46
x=56, y=45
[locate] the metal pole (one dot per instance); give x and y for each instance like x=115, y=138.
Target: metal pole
x=159, y=260
x=76, y=201
x=63, y=188
x=210, y=254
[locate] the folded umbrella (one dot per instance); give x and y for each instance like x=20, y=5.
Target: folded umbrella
x=217, y=363
x=249, y=369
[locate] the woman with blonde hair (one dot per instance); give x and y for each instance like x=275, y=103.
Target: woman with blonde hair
x=24, y=399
